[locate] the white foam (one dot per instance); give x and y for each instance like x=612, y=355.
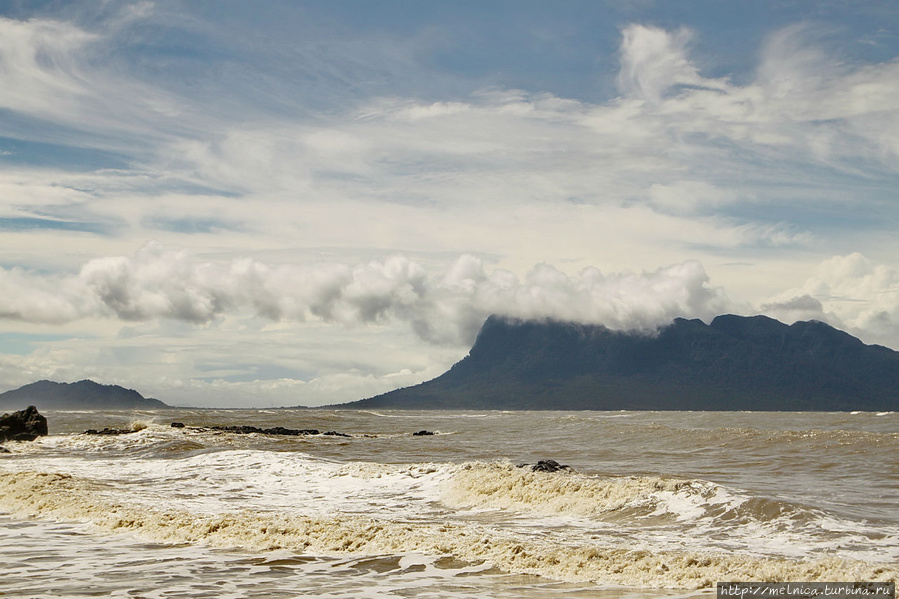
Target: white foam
x=70, y=498
x=655, y=512
x=215, y=481
x=43, y=559
x=224, y=489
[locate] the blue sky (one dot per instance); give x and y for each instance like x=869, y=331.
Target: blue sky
x=282, y=203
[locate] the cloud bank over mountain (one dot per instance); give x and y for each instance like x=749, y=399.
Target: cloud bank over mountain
x=159, y=283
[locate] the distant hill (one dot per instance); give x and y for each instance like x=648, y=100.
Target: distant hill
x=83, y=395
x=734, y=363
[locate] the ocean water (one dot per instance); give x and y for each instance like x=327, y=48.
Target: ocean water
x=655, y=504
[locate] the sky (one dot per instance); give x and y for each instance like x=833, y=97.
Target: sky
x=259, y=204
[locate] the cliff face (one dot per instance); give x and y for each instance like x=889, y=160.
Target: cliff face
x=83, y=395
x=734, y=363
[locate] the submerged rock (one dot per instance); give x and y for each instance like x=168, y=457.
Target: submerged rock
x=177, y=425
x=25, y=425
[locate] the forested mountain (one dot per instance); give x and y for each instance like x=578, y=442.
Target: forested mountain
x=733, y=363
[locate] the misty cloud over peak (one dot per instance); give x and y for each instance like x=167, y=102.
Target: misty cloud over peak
x=443, y=308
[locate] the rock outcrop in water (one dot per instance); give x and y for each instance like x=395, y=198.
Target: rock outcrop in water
x=83, y=395
x=25, y=425
x=110, y=431
x=277, y=430
x=733, y=363
x=240, y=429
x=547, y=466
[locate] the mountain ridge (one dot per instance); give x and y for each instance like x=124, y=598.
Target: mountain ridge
x=733, y=363
x=81, y=395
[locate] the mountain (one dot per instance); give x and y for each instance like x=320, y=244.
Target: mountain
x=83, y=395
x=734, y=363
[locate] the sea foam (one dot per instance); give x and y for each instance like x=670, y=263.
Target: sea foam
x=66, y=497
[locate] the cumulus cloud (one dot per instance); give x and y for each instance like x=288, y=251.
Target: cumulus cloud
x=163, y=283
x=443, y=307
x=45, y=299
x=849, y=291
x=625, y=301
x=803, y=307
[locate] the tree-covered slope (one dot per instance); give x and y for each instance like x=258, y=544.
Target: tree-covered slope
x=733, y=363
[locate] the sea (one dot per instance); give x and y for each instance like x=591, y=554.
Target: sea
x=652, y=504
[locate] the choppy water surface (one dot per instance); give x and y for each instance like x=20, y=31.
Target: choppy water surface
x=656, y=504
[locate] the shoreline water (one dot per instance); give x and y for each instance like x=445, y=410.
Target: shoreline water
x=656, y=500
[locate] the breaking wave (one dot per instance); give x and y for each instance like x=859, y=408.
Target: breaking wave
x=504, y=486
x=658, y=511
x=76, y=498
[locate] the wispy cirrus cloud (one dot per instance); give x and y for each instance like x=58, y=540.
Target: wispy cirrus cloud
x=42, y=69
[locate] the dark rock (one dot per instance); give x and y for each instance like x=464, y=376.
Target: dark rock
x=109, y=431
x=4, y=450
x=422, y=434
x=25, y=425
x=548, y=466
x=237, y=429
x=278, y=430
x=248, y=430
x=290, y=431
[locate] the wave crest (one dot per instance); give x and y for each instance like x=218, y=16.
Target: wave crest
x=504, y=486
x=65, y=497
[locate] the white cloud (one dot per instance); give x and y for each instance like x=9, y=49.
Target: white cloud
x=161, y=283
x=701, y=146
x=74, y=87
x=41, y=70
x=852, y=292
x=799, y=308
x=654, y=60
x=205, y=332
x=686, y=197
x=30, y=298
